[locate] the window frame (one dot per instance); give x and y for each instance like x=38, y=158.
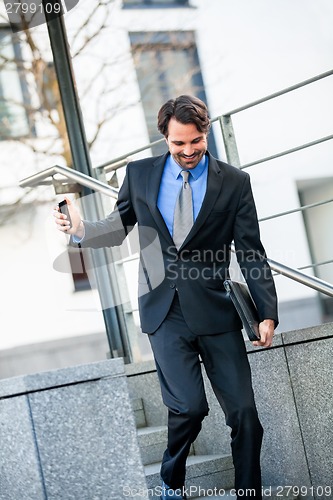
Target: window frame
x=26, y=100
x=78, y=260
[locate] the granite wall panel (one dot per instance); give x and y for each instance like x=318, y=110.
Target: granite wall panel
x=311, y=369
x=69, y=434
x=20, y=473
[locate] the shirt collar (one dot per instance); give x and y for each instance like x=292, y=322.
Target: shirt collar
x=175, y=169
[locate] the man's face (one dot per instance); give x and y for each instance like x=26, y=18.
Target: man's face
x=186, y=144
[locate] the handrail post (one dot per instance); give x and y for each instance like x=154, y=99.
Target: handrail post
x=113, y=316
x=229, y=140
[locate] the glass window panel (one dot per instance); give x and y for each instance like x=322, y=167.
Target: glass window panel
x=167, y=65
x=13, y=114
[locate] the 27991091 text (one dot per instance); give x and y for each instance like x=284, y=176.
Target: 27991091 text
x=302, y=491
x=33, y=7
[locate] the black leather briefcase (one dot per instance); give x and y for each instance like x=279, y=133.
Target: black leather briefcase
x=243, y=302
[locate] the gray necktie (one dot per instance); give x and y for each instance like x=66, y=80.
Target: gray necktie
x=183, y=216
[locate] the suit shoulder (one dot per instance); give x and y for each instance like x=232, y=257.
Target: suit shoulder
x=231, y=169
x=144, y=163
x=233, y=172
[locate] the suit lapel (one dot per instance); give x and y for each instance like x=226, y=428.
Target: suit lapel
x=153, y=186
x=214, y=185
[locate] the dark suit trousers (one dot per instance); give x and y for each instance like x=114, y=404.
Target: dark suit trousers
x=176, y=350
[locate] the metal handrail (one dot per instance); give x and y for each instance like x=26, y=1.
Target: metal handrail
x=294, y=210
x=40, y=177
x=287, y=152
x=294, y=274
x=74, y=175
x=316, y=264
x=227, y=130
x=121, y=160
x=279, y=93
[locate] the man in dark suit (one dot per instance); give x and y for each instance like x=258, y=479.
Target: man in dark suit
x=184, y=308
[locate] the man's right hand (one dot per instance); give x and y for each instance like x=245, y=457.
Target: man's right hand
x=62, y=222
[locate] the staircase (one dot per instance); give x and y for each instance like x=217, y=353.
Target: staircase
x=207, y=476
x=299, y=380
x=204, y=472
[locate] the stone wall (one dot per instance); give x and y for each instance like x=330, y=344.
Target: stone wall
x=69, y=434
x=293, y=383
x=53, y=355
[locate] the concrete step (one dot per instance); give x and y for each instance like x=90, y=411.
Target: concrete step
x=139, y=412
x=152, y=443
x=203, y=473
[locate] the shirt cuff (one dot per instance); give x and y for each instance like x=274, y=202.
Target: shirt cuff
x=77, y=240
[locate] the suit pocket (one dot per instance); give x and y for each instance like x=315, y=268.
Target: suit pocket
x=220, y=213
x=215, y=284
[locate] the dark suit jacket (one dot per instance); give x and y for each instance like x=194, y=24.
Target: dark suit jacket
x=201, y=265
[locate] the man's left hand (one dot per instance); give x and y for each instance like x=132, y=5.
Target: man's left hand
x=266, y=330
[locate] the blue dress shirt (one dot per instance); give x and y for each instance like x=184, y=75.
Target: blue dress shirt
x=170, y=186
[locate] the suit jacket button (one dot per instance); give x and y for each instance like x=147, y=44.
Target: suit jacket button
x=172, y=285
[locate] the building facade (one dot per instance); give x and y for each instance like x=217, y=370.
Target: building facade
x=128, y=59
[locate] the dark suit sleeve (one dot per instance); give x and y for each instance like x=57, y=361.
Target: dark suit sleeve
x=251, y=255
x=112, y=230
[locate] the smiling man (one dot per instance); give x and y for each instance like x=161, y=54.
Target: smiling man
x=186, y=145
x=196, y=205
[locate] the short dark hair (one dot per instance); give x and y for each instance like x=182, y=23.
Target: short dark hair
x=185, y=109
